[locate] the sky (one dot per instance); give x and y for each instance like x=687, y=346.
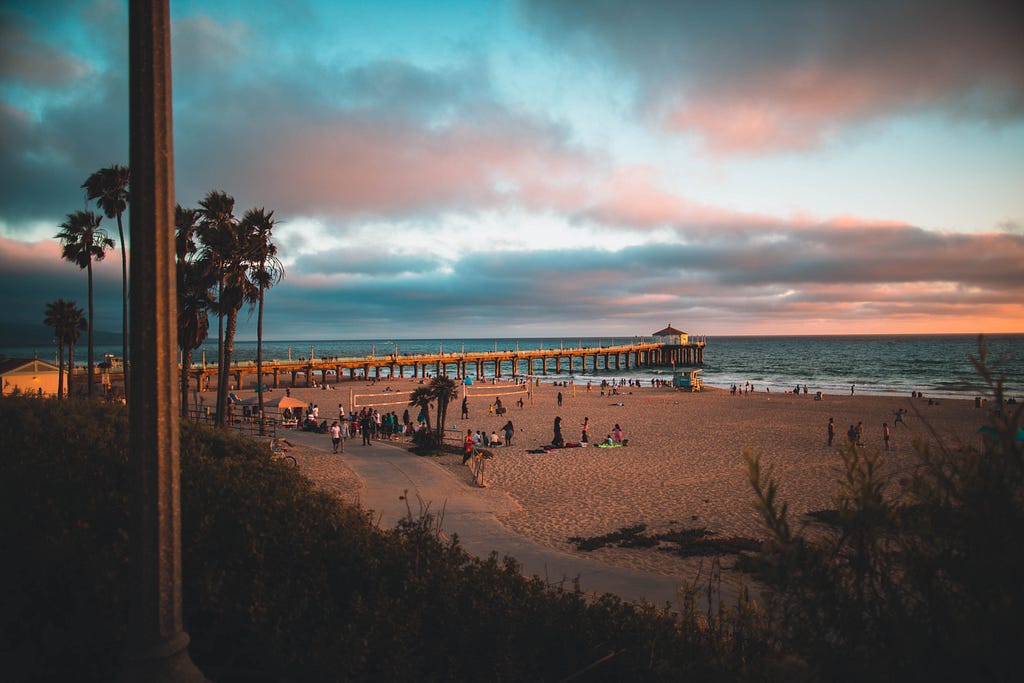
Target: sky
x=552, y=167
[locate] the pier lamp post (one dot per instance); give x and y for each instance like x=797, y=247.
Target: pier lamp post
x=158, y=643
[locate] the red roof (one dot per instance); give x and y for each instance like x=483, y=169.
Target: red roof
x=668, y=332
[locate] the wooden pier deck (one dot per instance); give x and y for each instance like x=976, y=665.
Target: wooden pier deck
x=457, y=364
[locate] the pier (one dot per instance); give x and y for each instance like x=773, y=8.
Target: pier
x=459, y=365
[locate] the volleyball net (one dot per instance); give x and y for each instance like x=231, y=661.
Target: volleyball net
x=489, y=390
x=401, y=398
x=387, y=398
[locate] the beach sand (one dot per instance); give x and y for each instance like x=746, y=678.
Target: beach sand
x=683, y=467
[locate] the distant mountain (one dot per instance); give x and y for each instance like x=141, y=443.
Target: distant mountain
x=40, y=335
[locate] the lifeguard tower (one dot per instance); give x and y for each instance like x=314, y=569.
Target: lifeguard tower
x=688, y=380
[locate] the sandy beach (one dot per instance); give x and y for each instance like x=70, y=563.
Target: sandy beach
x=683, y=466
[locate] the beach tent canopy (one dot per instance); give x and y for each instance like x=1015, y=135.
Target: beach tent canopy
x=279, y=402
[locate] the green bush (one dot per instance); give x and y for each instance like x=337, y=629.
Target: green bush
x=281, y=582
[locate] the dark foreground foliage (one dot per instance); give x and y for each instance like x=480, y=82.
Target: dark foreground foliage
x=914, y=582
x=284, y=583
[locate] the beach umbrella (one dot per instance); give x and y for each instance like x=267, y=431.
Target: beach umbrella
x=279, y=402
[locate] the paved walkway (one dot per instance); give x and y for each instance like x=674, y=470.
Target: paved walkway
x=395, y=478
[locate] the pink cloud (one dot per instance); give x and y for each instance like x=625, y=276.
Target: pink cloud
x=631, y=197
x=755, y=79
x=23, y=257
x=393, y=166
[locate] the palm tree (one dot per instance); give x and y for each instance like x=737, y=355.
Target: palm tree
x=266, y=271
x=442, y=389
x=108, y=187
x=83, y=242
x=228, y=252
x=194, y=298
x=67, y=321
x=421, y=398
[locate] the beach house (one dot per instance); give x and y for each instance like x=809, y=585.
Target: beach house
x=28, y=376
x=670, y=336
x=678, y=348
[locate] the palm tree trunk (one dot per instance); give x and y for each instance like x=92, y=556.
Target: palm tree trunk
x=221, y=376
x=186, y=364
x=229, y=345
x=60, y=370
x=124, y=307
x=259, y=363
x=71, y=366
x=89, y=371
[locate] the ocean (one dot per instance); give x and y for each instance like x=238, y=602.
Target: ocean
x=937, y=365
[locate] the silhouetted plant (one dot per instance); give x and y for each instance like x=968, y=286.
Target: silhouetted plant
x=923, y=585
x=82, y=242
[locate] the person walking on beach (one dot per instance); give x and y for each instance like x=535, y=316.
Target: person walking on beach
x=509, y=431
x=559, y=399
x=851, y=435
x=366, y=427
x=831, y=431
x=557, y=441
x=465, y=409
x=335, y=435
x=886, y=434
x=852, y=387
x=617, y=433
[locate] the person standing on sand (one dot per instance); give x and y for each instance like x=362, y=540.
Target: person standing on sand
x=559, y=399
x=617, y=433
x=852, y=387
x=509, y=431
x=467, y=446
x=465, y=409
x=831, y=431
x=898, y=420
x=860, y=433
x=851, y=435
x=366, y=427
x=336, y=436
x=557, y=441
x=886, y=434
x=586, y=425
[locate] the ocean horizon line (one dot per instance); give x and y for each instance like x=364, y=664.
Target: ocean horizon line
x=641, y=336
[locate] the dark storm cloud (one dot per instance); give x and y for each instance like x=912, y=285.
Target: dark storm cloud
x=810, y=274
x=27, y=61
x=53, y=139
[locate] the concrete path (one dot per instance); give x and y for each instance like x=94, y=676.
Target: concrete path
x=397, y=481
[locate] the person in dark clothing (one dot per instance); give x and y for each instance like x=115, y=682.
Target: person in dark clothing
x=557, y=441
